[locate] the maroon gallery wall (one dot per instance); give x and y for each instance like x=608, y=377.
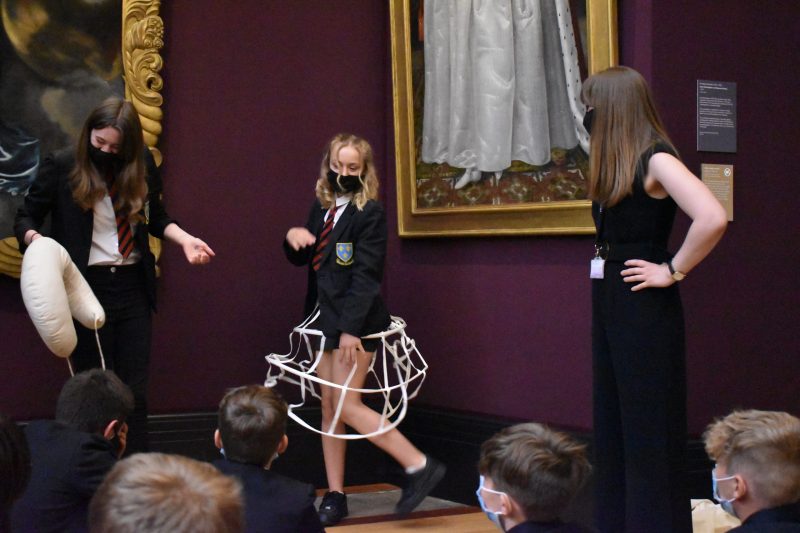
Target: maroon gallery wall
x=253, y=89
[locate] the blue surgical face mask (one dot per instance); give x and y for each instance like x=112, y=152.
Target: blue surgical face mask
x=494, y=516
x=727, y=505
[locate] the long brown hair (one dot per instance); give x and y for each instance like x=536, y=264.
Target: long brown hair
x=88, y=186
x=625, y=124
x=369, y=179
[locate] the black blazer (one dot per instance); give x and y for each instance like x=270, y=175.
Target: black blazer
x=72, y=227
x=550, y=527
x=782, y=519
x=348, y=289
x=67, y=466
x=273, y=503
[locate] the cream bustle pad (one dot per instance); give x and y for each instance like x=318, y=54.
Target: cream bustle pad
x=54, y=292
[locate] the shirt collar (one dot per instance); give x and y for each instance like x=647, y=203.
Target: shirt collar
x=345, y=198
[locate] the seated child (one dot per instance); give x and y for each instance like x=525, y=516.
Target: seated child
x=251, y=434
x=529, y=474
x=161, y=493
x=757, y=472
x=71, y=455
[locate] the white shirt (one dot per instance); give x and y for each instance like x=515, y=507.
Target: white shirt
x=105, y=241
x=341, y=201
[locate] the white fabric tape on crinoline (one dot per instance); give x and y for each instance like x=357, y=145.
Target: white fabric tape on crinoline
x=54, y=291
x=397, y=371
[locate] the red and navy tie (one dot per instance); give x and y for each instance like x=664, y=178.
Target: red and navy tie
x=124, y=230
x=324, y=238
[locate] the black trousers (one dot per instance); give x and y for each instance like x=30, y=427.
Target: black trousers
x=638, y=350
x=125, y=339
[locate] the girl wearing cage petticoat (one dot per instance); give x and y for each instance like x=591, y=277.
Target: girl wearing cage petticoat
x=344, y=245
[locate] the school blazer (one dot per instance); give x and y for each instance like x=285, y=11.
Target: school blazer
x=67, y=467
x=348, y=284
x=273, y=503
x=51, y=194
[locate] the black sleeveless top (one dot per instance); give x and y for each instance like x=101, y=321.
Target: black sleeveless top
x=639, y=225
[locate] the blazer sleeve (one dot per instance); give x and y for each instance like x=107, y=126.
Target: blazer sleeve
x=303, y=255
x=157, y=217
x=369, y=254
x=93, y=461
x=39, y=201
x=309, y=519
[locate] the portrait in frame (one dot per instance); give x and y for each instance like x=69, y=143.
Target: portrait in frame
x=60, y=59
x=439, y=199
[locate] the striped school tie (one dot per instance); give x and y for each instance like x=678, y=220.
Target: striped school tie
x=323, y=238
x=124, y=230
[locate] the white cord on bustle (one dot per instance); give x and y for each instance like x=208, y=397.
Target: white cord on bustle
x=97, y=337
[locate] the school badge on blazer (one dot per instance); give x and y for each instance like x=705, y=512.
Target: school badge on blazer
x=344, y=253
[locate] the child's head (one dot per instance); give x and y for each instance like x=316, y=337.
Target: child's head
x=161, y=493
x=347, y=155
x=92, y=400
x=757, y=456
x=539, y=469
x=252, y=424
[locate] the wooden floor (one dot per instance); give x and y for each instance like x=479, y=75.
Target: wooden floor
x=472, y=522
x=372, y=509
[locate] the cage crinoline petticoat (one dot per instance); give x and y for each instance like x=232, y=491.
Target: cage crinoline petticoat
x=397, y=368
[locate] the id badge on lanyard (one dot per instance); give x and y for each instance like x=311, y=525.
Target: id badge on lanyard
x=597, y=267
x=597, y=264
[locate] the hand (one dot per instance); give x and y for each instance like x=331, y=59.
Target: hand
x=647, y=274
x=197, y=252
x=31, y=235
x=300, y=238
x=349, y=348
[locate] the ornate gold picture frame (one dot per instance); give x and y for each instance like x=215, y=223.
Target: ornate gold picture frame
x=142, y=37
x=550, y=218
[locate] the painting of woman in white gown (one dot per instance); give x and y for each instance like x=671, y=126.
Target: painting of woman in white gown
x=58, y=60
x=498, y=115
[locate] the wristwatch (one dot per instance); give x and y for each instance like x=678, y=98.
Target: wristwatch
x=677, y=275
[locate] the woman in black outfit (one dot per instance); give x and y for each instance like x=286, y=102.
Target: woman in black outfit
x=636, y=184
x=104, y=200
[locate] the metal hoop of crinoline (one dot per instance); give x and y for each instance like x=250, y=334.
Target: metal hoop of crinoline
x=397, y=367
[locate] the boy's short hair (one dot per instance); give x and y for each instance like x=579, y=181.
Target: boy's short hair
x=160, y=493
x=90, y=400
x=538, y=468
x=762, y=445
x=252, y=422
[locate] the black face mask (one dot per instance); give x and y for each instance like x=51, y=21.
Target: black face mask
x=343, y=184
x=588, y=118
x=105, y=162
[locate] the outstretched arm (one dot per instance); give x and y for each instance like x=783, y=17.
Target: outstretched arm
x=196, y=251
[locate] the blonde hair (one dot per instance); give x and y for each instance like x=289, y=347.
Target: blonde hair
x=88, y=186
x=625, y=124
x=160, y=493
x=368, y=177
x=540, y=469
x=762, y=445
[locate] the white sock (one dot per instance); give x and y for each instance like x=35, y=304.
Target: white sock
x=414, y=469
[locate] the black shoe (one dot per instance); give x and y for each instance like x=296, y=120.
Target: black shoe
x=419, y=485
x=332, y=508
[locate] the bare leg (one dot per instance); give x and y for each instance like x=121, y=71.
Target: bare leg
x=333, y=449
x=362, y=418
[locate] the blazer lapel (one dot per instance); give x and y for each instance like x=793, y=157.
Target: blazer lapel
x=339, y=228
